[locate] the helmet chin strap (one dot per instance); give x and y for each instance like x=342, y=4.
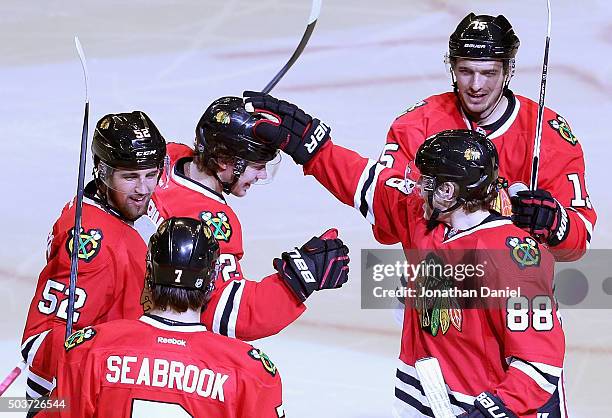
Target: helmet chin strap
x=432, y=222
x=239, y=168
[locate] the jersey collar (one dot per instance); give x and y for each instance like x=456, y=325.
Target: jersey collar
x=500, y=126
x=170, y=325
x=179, y=177
x=492, y=221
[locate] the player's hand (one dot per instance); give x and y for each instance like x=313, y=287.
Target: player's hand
x=487, y=405
x=538, y=213
x=321, y=263
x=288, y=127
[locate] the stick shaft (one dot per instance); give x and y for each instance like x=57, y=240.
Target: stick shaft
x=76, y=232
x=535, y=161
x=312, y=21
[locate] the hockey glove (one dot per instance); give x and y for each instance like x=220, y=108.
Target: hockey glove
x=538, y=213
x=321, y=263
x=288, y=127
x=488, y=406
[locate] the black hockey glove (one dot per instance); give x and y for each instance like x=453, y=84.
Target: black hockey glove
x=488, y=406
x=538, y=213
x=321, y=263
x=290, y=128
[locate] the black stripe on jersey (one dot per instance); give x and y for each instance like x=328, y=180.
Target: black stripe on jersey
x=39, y=389
x=363, y=206
x=25, y=351
x=415, y=383
x=227, y=310
x=403, y=396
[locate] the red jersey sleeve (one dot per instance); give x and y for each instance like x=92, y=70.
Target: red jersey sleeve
x=562, y=173
x=249, y=310
x=405, y=136
x=377, y=192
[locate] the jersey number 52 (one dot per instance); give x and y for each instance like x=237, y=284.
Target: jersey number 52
x=49, y=304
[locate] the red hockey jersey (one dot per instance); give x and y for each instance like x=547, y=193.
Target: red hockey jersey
x=561, y=157
x=154, y=367
x=515, y=353
x=239, y=307
x=110, y=280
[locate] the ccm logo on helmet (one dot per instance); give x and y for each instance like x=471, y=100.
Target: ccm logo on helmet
x=301, y=264
x=319, y=133
x=145, y=153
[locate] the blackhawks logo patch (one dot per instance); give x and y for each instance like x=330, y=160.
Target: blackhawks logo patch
x=563, y=129
x=259, y=355
x=79, y=337
x=218, y=224
x=525, y=253
x=89, y=244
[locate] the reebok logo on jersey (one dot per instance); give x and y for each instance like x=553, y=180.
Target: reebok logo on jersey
x=164, y=340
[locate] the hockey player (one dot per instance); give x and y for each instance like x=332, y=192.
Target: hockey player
x=128, y=152
x=166, y=364
x=481, y=57
x=228, y=159
x=512, y=358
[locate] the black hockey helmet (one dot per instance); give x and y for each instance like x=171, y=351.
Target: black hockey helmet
x=128, y=140
x=183, y=253
x=226, y=127
x=465, y=157
x=483, y=37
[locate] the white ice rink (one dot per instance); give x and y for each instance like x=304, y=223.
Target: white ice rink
x=366, y=63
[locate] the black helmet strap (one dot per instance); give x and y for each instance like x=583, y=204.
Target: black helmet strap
x=239, y=167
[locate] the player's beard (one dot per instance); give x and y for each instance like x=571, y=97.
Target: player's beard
x=132, y=206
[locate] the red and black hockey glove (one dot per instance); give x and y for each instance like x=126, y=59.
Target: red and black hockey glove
x=488, y=406
x=538, y=213
x=321, y=263
x=289, y=127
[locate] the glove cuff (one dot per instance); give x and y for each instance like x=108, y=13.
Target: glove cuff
x=561, y=229
x=491, y=406
x=286, y=271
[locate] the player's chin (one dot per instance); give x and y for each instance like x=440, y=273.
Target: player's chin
x=136, y=206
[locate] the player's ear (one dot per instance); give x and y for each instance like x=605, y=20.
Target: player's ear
x=448, y=190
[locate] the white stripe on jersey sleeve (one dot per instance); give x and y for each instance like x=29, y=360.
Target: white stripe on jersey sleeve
x=534, y=375
x=231, y=326
x=588, y=225
x=39, y=338
x=366, y=188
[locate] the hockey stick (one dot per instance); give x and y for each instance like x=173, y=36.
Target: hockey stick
x=14, y=374
x=315, y=10
x=430, y=375
x=76, y=232
x=535, y=161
